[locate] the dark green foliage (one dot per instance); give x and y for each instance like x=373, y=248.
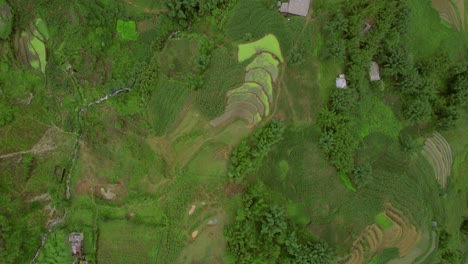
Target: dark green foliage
x=6, y=113
x=417, y=110
x=246, y=157
x=464, y=228
x=446, y=118
x=343, y=100
x=396, y=64
x=407, y=143
x=337, y=140
x=185, y=11
x=194, y=82
x=458, y=89
x=296, y=56
x=261, y=233
x=361, y=175
x=446, y=253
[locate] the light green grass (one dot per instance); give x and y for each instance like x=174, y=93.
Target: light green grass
x=446, y=23
x=269, y=43
x=42, y=29
x=121, y=241
x=283, y=169
x=38, y=47
x=127, y=29
x=263, y=60
x=383, y=221
x=347, y=182
x=376, y=117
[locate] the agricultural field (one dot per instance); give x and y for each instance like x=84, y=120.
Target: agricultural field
x=149, y=131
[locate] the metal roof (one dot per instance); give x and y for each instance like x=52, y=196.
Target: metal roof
x=299, y=7
x=374, y=73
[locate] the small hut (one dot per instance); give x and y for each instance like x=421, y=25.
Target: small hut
x=374, y=72
x=341, y=81
x=76, y=241
x=295, y=7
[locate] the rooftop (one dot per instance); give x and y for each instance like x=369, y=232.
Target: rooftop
x=374, y=72
x=296, y=7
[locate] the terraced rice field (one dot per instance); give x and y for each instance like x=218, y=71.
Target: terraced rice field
x=451, y=11
x=261, y=77
x=269, y=43
x=267, y=62
x=439, y=154
x=401, y=234
x=254, y=88
x=252, y=100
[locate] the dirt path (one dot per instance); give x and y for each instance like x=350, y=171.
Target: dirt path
x=280, y=82
x=43, y=145
x=428, y=253
x=146, y=9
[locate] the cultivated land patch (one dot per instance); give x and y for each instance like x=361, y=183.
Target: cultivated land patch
x=451, y=11
x=269, y=43
x=121, y=241
x=267, y=62
x=392, y=229
x=251, y=102
x=439, y=154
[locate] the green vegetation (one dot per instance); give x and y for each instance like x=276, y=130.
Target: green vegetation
x=56, y=249
x=112, y=103
x=383, y=221
x=262, y=234
x=127, y=29
x=247, y=157
x=269, y=43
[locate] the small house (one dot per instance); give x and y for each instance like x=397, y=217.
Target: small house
x=374, y=72
x=295, y=7
x=76, y=241
x=341, y=81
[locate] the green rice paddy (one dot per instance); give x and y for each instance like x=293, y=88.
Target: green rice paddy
x=269, y=43
x=383, y=221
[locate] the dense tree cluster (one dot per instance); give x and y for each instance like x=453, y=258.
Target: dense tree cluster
x=262, y=233
x=360, y=32
x=248, y=155
x=446, y=253
x=184, y=11
x=337, y=140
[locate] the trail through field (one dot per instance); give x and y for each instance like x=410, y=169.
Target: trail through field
x=44, y=144
x=280, y=82
x=146, y=9
x=431, y=249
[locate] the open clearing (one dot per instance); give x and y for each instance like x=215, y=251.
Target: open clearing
x=269, y=43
